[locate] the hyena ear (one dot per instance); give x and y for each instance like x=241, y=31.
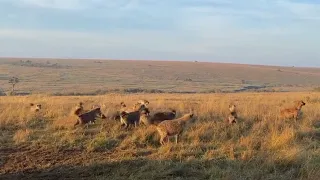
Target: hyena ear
x=123, y=113
x=191, y=115
x=31, y=104
x=123, y=104
x=96, y=107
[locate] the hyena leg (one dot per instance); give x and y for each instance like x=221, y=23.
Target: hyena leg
x=136, y=124
x=167, y=139
x=176, y=138
x=78, y=122
x=295, y=117
x=163, y=139
x=126, y=126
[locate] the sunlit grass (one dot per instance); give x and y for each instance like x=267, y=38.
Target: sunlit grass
x=260, y=143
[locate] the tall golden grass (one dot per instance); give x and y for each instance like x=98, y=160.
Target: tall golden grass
x=259, y=146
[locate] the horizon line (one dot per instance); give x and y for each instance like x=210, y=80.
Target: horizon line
x=156, y=60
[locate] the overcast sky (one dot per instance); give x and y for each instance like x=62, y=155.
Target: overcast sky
x=279, y=32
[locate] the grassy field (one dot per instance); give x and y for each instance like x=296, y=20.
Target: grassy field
x=259, y=146
x=52, y=76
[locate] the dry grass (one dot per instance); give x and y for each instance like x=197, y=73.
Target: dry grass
x=22, y=136
x=259, y=146
x=86, y=76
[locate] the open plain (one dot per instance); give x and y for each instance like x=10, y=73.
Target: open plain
x=261, y=145
x=91, y=77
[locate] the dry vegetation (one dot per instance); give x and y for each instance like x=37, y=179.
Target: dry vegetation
x=45, y=145
x=68, y=77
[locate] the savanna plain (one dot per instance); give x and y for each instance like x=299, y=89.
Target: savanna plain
x=261, y=145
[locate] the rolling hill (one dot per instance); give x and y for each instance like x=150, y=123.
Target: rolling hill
x=83, y=76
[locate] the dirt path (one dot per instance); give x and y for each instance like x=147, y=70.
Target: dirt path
x=26, y=159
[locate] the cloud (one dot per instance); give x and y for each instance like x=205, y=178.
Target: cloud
x=129, y=44
x=145, y=40
x=75, y=4
x=56, y=4
x=302, y=10
x=255, y=31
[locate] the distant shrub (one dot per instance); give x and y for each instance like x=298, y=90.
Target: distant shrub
x=317, y=89
x=46, y=64
x=10, y=93
x=2, y=92
x=210, y=91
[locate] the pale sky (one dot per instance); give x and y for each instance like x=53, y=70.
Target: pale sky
x=278, y=32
